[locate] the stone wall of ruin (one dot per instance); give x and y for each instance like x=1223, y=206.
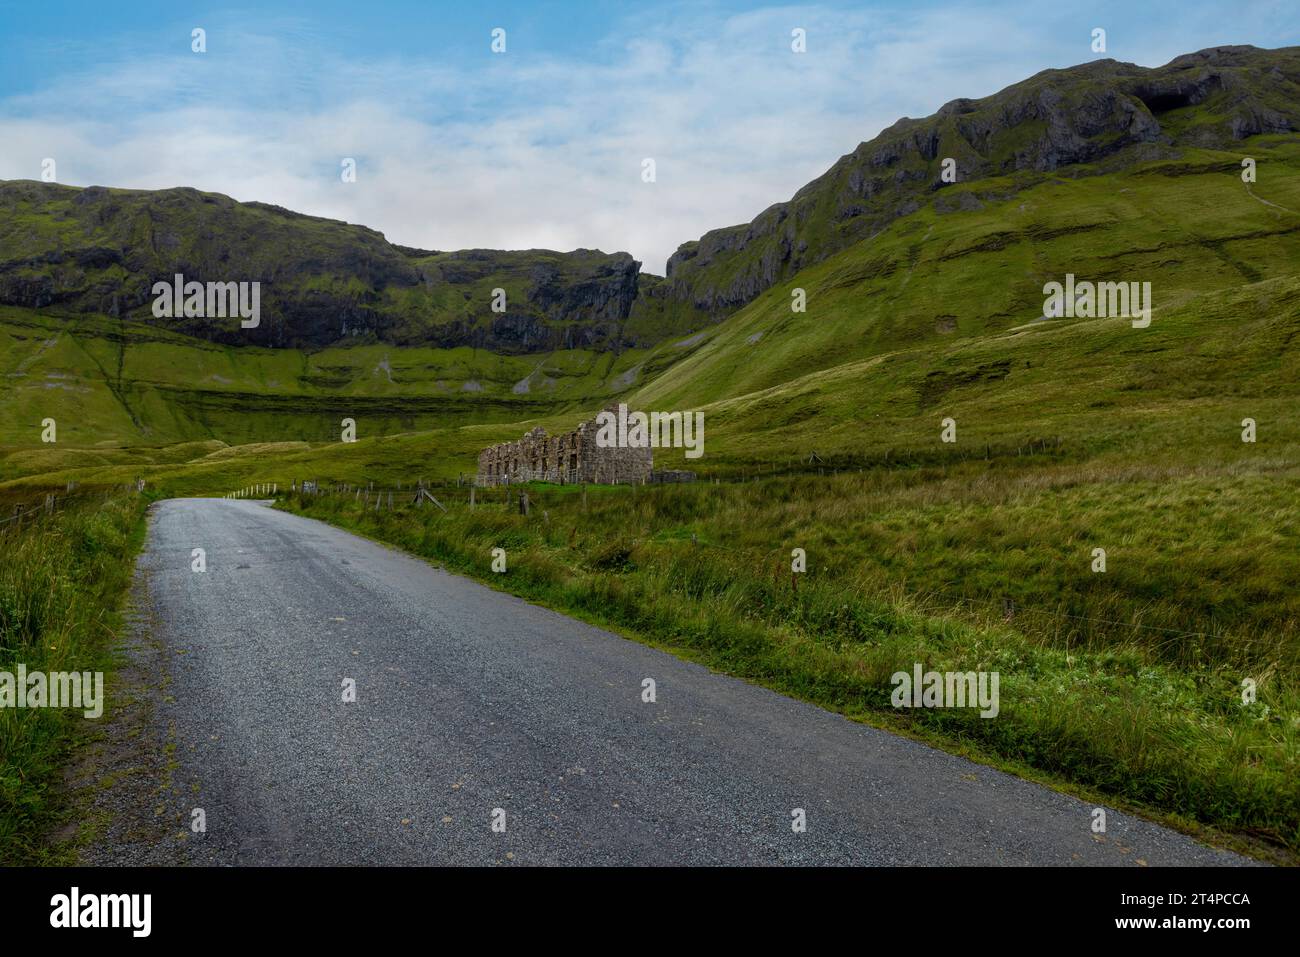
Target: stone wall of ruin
x=571, y=457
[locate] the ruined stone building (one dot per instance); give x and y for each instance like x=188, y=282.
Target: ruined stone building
x=571, y=457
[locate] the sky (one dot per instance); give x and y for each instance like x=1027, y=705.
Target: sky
x=543, y=145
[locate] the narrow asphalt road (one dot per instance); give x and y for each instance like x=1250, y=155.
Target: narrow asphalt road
x=469, y=700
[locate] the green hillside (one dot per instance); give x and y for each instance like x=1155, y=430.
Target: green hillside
x=948, y=273
x=1096, y=117
x=99, y=251
x=128, y=383
x=946, y=284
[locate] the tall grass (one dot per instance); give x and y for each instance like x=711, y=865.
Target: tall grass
x=62, y=580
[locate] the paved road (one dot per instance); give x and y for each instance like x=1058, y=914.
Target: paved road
x=470, y=700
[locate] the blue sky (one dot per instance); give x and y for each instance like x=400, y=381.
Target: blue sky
x=541, y=146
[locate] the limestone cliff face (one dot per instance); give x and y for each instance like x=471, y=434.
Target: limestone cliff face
x=1099, y=113
x=322, y=281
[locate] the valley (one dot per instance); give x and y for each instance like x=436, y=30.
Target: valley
x=885, y=384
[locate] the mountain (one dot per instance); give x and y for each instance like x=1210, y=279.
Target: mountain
x=933, y=310
x=1096, y=117
x=99, y=250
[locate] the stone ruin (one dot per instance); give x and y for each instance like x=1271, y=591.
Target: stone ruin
x=570, y=458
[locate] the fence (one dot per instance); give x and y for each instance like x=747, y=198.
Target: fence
x=417, y=494
x=24, y=512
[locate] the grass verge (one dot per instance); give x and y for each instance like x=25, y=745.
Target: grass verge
x=63, y=578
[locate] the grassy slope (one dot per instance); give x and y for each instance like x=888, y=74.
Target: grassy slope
x=1102, y=111
x=128, y=384
x=935, y=281
x=1188, y=226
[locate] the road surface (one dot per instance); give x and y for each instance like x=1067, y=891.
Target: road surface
x=469, y=700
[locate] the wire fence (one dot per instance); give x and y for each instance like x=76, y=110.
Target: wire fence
x=417, y=493
x=24, y=512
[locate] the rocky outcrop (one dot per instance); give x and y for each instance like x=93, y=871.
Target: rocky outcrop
x=1100, y=112
x=321, y=281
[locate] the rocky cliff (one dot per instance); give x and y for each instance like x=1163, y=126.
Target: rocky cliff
x=101, y=250
x=1102, y=113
